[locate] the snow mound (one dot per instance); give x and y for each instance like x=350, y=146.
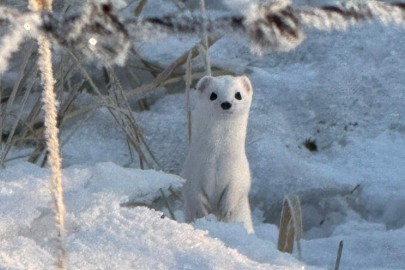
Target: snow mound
x=103, y=234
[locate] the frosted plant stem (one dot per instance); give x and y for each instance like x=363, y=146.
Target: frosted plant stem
x=205, y=39
x=52, y=141
x=51, y=134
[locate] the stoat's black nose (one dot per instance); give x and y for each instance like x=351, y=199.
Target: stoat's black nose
x=226, y=105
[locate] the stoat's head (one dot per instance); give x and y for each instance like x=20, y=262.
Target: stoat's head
x=225, y=95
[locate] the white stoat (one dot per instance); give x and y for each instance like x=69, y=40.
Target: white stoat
x=216, y=168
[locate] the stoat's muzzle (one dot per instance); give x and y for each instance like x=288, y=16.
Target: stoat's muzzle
x=226, y=105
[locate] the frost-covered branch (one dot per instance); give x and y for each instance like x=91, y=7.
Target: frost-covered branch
x=281, y=26
x=20, y=25
x=96, y=32
x=99, y=33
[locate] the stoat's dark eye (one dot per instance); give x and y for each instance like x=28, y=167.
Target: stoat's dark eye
x=238, y=96
x=213, y=96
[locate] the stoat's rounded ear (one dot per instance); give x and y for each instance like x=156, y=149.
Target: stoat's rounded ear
x=247, y=84
x=204, y=83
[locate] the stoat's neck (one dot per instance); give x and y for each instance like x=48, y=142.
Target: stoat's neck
x=218, y=132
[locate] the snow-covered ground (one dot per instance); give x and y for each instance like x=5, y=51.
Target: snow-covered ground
x=343, y=92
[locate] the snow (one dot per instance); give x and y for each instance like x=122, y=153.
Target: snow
x=344, y=91
x=102, y=234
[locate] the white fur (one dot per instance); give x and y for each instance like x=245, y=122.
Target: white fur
x=216, y=168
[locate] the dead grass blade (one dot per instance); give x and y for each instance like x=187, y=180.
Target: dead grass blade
x=11, y=138
x=290, y=225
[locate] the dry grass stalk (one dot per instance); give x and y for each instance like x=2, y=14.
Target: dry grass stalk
x=122, y=102
x=17, y=86
x=36, y=109
x=188, y=105
x=52, y=140
x=204, y=39
x=30, y=123
x=51, y=134
x=11, y=138
x=290, y=225
x=1, y=115
x=139, y=8
x=122, y=115
x=339, y=255
x=161, y=79
x=167, y=205
x=18, y=82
